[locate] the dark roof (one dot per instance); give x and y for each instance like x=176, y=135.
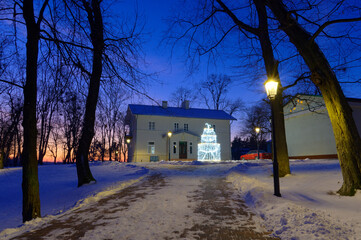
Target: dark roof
x=179, y=112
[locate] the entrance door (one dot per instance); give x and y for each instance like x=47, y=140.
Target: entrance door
x=183, y=150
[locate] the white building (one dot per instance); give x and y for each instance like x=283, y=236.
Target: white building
x=309, y=131
x=149, y=127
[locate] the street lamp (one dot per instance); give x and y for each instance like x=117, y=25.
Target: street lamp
x=271, y=89
x=128, y=138
x=169, y=136
x=257, y=129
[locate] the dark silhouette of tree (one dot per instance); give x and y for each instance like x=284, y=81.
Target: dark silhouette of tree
x=100, y=51
x=214, y=93
x=213, y=23
x=55, y=139
x=182, y=94
x=30, y=184
x=9, y=122
x=50, y=91
x=258, y=115
x=348, y=141
x=71, y=111
x=216, y=88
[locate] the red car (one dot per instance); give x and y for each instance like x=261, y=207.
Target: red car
x=252, y=155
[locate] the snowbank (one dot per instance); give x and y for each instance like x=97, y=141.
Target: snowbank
x=309, y=207
x=58, y=188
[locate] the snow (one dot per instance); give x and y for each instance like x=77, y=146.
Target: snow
x=309, y=207
x=58, y=188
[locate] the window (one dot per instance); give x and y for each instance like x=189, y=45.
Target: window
x=214, y=127
x=174, y=147
x=176, y=126
x=186, y=127
x=151, y=125
x=151, y=148
x=190, y=148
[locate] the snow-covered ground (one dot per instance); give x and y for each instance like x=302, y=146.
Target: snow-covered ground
x=308, y=209
x=58, y=188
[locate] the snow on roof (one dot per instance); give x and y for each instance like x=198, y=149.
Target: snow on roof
x=179, y=112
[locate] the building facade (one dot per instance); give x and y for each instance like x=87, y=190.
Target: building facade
x=308, y=127
x=149, y=127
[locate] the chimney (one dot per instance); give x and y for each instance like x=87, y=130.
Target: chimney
x=164, y=104
x=185, y=104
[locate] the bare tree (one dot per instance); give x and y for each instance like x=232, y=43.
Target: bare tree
x=113, y=50
x=54, y=146
x=9, y=121
x=51, y=89
x=216, y=88
x=180, y=95
x=257, y=116
x=213, y=23
x=122, y=131
x=71, y=110
x=214, y=93
x=30, y=183
x=348, y=141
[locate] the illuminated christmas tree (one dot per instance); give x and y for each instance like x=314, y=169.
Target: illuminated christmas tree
x=209, y=149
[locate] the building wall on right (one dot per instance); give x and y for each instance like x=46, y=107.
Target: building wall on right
x=308, y=127
x=310, y=135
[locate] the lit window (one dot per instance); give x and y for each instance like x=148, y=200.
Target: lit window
x=186, y=127
x=151, y=125
x=176, y=126
x=151, y=148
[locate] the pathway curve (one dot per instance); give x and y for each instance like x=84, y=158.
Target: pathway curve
x=173, y=202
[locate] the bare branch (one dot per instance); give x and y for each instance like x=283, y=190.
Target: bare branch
x=11, y=83
x=239, y=23
x=328, y=23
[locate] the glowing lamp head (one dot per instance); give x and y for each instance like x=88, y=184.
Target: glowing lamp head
x=169, y=134
x=271, y=88
x=128, y=138
x=257, y=129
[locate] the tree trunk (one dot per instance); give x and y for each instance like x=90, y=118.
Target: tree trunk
x=30, y=184
x=280, y=135
x=40, y=150
x=348, y=142
x=87, y=133
x=2, y=159
x=271, y=65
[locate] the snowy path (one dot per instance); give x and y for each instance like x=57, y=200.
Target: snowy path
x=173, y=202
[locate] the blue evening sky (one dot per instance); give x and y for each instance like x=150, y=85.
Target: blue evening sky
x=172, y=71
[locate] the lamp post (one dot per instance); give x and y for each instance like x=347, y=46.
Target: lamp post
x=128, y=138
x=169, y=136
x=271, y=89
x=257, y=129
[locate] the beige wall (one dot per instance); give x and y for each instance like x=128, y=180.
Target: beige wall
x=310, y=133
x=142, y=135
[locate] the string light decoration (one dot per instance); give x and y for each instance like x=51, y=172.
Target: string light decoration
x=208, y=148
